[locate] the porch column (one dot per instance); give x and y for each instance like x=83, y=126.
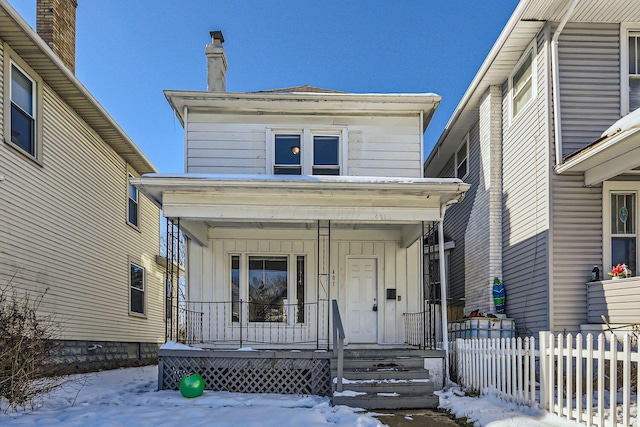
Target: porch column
x=443, y=296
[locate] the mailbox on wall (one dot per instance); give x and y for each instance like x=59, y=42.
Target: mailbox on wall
x=391, y=294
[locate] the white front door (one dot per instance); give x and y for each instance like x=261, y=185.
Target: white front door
x=362, y=303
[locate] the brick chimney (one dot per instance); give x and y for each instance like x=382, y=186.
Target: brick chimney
x=56, y=24
x=216, y=63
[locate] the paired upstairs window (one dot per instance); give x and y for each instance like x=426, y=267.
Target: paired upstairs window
x=307, y=153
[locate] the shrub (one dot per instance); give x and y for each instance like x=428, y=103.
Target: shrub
x=27, y=348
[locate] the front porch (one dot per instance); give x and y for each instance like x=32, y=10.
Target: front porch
x=612, y=306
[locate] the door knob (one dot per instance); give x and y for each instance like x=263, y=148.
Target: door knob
x=375, y=307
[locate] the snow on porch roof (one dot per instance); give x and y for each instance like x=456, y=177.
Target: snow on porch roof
x=616, y=152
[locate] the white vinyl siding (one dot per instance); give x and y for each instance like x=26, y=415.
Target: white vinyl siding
x=46, y=239
x=370, y=146
x=589, y=82
x=525, y=211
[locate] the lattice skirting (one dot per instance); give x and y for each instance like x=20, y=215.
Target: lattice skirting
x=280, y=375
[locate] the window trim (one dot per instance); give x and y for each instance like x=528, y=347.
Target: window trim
x=130, y=174
x=529, y=51
x=243, y=290
x=307, y=135
x=465, y=143
x=625, y=29
x=12, y=59
x=131, y=263
x=609, y=187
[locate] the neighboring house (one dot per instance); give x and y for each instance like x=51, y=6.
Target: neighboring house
x=72, y=226
x=296, y=197
x=550, y=196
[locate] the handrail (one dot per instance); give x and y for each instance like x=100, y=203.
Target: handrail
x=338, y=340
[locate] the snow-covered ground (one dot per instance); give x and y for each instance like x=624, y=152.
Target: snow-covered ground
x=128, y=397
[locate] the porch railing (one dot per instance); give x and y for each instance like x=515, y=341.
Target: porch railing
x=241, y=323
x=421, y=328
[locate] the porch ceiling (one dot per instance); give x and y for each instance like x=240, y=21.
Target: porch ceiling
x=606, y=158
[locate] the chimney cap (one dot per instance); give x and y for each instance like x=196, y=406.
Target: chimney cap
x=216, y=36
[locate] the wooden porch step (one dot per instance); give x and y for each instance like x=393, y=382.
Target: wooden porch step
x=387, y=353
x=383, y=374
x=388, y=401
x=404, y=387
x=401, y=362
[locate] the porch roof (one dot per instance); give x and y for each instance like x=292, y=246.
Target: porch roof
x=617, y=152
x=219, y=200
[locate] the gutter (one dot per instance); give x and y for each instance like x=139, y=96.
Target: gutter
x=555, y=75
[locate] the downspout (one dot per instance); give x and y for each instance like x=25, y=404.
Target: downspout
x=443, y=290
x=555, y=75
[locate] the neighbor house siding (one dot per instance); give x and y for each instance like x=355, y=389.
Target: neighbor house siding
x=525, y=214
x=590, y=101
x=64, y=230
x=589, y=57
x=236, y=144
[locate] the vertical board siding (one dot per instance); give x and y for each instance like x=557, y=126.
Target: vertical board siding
x=525, y=211
x=377, y=146
x=64, y=229
x=589, y=57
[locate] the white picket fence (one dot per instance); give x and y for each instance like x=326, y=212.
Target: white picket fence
x=578, y=378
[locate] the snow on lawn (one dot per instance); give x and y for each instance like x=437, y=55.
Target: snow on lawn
x=491, y=410
x=128, y=397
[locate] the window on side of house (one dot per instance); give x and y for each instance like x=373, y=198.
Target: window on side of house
x=462, y=162
x=235, y=288
x=268, y=286
x=23, y=117
x=288, y=155
x=137, y=289
x=634, y=69
x=621, y=225
x=522, y=83
x=326, y=155
x=133, y=206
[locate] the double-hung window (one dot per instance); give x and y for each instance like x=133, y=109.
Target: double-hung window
x=306, y=152
x=133, y=207
x=522, y=83
x=631, y=84
x=620, y=224
x=137, y=289
x=461, y=160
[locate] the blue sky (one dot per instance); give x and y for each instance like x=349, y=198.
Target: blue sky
x=128, y=52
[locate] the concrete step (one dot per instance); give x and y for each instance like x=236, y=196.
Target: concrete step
x=404, y=387
x=381, y=363
x=396, y=401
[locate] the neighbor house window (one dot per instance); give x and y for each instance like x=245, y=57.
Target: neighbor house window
x=462, y=163
x=522, y=83
x=137, y=289
x=133, y=207
x=307, y=152
x=621, y=225
x=288, y=155
x=633, y=56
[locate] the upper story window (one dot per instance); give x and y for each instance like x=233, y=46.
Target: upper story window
x=307, y=152
x=633, y=56
x=22, y=106
x=462, y=156
x=133, y=207
x=288, y=155
x=522, y=83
